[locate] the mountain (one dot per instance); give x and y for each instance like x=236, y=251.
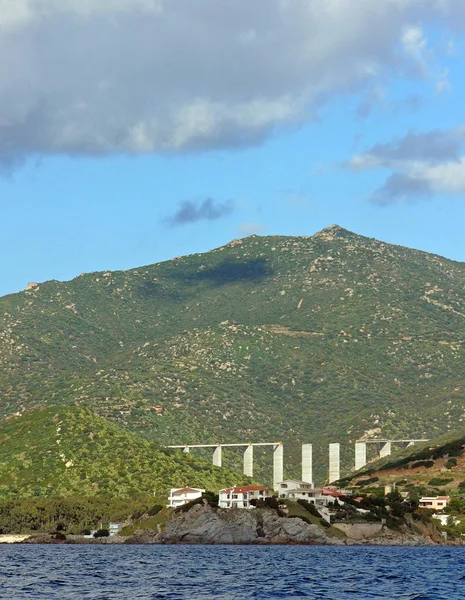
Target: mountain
x=66, y=451
x=316, y=339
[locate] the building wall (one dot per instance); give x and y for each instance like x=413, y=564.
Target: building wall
x=178, y=499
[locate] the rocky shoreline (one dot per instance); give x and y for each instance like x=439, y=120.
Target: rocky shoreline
x=204, y=525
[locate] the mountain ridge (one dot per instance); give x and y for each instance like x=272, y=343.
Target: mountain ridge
x=311, y=339
x=333, y=230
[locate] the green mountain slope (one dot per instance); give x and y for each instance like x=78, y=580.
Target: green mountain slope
x=56, y=451
x=430, y=468
x=311, y=339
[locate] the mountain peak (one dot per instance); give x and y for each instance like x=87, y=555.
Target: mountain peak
x=333, y=231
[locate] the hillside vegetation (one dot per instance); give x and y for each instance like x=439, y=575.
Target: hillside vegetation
x=301, y=339
x=68, y=451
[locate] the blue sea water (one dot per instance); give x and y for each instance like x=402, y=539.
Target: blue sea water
x=230, y=572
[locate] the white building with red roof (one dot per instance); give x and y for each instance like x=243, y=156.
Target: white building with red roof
x=434, y=502
x=240, y=496
x=180, y=496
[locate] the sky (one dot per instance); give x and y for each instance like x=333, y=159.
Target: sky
x=134, y=131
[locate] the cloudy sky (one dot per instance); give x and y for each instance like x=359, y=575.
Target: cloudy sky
x=132, y=131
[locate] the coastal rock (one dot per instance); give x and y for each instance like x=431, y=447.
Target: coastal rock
x=201, y=524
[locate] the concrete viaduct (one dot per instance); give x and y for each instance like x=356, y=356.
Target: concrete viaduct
x=385, y=449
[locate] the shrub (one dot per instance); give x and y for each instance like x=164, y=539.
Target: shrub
x=422, y=463
x=368, y=481
x=154, y=510
x=461, y=485
x=265, y=503
x=59, y=536
x=101, y=533
x=324, y=523
x=398, y=509
x=309, y=507
x=436, y=481
x=211, y=498
x=452, y=462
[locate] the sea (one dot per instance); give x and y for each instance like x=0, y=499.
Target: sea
x=112, y=572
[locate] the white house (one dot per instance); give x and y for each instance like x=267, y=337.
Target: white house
x=290, y=484
x=114, y=528
x=434, y=502
x=294, y=489
x=180, y=496
x=240, y=496
x=445, y=518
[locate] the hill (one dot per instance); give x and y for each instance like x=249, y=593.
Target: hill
x=432, y=468
x=317, y=339
x=68, y=451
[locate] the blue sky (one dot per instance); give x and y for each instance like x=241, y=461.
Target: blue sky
x=116, y=151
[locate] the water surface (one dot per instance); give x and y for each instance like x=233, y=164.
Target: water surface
x=66, y=572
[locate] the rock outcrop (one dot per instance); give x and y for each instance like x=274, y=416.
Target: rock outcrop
x=203, y=525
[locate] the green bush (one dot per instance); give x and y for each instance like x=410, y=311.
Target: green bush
x=272, y=503
x=452, y=462
x=437, y=481
x=101, y=533
x=324, y=523
x=422, y=463
x=154, y=510
x=366, y=482
x=462, y=485
x=309, y=507
x=59, y=536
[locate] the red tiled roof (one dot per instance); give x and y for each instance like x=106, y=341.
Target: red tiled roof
x=333, y=493
x=185, y=491
x=245, y=488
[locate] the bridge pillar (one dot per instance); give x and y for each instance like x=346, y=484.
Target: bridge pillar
x=385, y=450
x=408, y=444
x=248, y=461
x=307, y=463
x=334, y=462
x=278, y=465
x=186, y=449
x=217, y=456
x=360, y=455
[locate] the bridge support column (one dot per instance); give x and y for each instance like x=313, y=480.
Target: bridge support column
x=334, y=462
x=385, y=450
x=307, y=463
x=217, y=456
x=408, y=444
x=278, y=465
x=360, y=455
x=248, y=461
x=186, y=449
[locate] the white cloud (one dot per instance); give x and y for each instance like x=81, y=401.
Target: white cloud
x=446, y=178
x=443, y=83
x=414, y=42
x=421, y=164
x=139, y=76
